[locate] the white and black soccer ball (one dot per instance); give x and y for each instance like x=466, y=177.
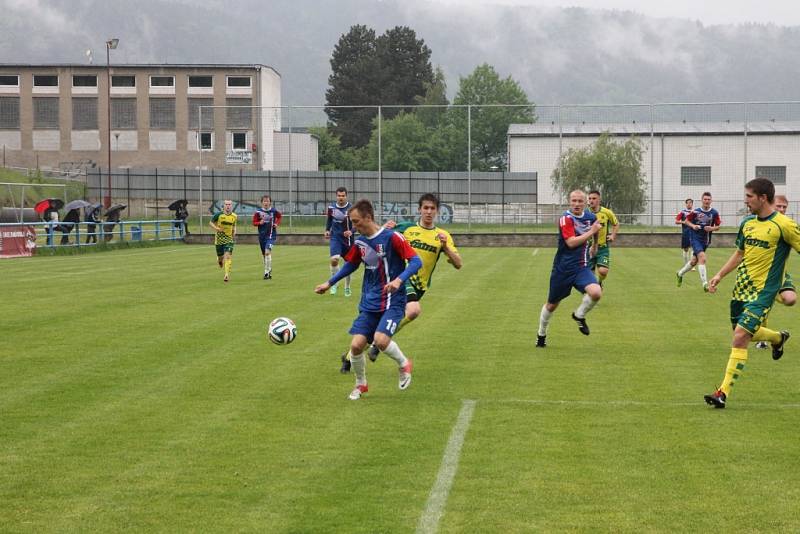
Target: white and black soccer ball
x=282, y=331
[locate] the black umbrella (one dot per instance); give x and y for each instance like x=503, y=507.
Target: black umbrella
x=44, y=205
x=177, y=204
x=76, y=205
x=92, y=208
x=116, y=207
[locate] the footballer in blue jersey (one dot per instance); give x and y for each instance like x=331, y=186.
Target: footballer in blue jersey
x=571, y=268
x=685, y=230
x=701, y=222
x=389, y=261
x=339, y=230
x=267, y=219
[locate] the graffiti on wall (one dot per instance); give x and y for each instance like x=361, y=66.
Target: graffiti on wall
x=399, y=211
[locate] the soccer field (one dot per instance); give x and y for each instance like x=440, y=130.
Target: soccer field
x=139, y=392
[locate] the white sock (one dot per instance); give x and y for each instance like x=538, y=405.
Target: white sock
x=586, y=306
x=703, y=276
x=268, y=263
x=360, y=367
x=394, y=352
x=687, y=256
x=544, y=320
x=686, y=268
x=347, y=282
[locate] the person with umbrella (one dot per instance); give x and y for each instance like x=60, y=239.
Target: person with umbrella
x=112, y=218
x=181, y=214
x=92, y=217
x=72, y=218
x=48, y=208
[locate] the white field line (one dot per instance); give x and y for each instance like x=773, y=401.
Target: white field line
x=434, y=508
x=535, y=251
x=622, y=403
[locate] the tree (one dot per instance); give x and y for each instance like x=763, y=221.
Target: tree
x=611, y=167
x=490, y=124
x=435, y=94
x=334, y=157
x=392, y=69
x=353, y=82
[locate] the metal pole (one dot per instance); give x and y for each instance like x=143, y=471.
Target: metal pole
x=469, y=167
x=380, y=166
x=652, y=184
x=108, y=119
x=200, y=167
x=289, y=118
x=745, y=142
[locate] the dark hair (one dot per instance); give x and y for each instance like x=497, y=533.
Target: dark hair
x=595, y=192
x=706, y=194
x=429, y=197
x=688, y=200
x=266, y=196
x=762, y=186
x=341, y=190
x=364, y=207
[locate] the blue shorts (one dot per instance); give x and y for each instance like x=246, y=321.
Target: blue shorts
x=385, y=322
x=340, y=245
x=685, y=240
x=561, y=284
x=699, y=243
x=266, y=243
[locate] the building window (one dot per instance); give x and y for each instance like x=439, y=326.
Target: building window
x=239, y=140
x=162, y=81
x=84, y=80
x=238, y=81
x=241, y=115
x=201, y=81
x=123, y=81
x=123, y=113
x=45, y=80
x=206, y=141
x=45, y=112
x=695, y=175
x=9, y=112
x=162, y=113
x=194, y=113
x=9, y=80
x=777, y=175
x=84, y=114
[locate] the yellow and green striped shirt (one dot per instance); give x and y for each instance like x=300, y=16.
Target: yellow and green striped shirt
x=227, y=223
x=607, y=219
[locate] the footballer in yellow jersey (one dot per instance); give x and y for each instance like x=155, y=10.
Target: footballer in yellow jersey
x=601, y=255
x=224, y=225
x=763, y=244
x=429, y=242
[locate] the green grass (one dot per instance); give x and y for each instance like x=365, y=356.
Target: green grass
x=138, y=392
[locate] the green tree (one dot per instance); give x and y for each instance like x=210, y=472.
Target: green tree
x=435, y=94
x=489, y=124
x=611, y=167
x=353, y=82
x=333, y=156
x=405, y=68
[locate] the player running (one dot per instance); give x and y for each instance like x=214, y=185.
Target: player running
x=686, y=244
x=763, y=245
x=339, y=229
x=571, y=266
x=267, y=219
x=600, y=259
x=384, y=254
x=224, y=224
x=702, y=222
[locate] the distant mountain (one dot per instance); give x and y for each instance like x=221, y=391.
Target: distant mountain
x=558, y=55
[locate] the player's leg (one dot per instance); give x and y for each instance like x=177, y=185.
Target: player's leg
x=697, y=248
x=347, y=290
x=701, y=269
x=334, y=262
x=586, y=283
x=560, y=288
x=228, y=262
x=603, y=260
x=386, y=328
x=220, y=254
x=362, y=331
x=413, y=310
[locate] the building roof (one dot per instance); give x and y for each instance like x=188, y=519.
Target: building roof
x=553, y=129
x=254, y=66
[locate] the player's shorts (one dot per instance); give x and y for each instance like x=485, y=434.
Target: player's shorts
x=699, y=243
x=266, y=243
x=413, y=294
x=339, y=245
x=561, y=284
x=385, y=322
x=750, y=315
x=686, y=240
x=602, y=258
x=222, y=249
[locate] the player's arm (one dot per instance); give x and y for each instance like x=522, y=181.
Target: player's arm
x=450, y=250
x=276, y=218
x=680, y=219
x=352, y=261
x=689, y=221
x=213, y=221
x=348, y=225
x=414, y=263
x=715, y=224
x=328, y=223
x=567, y=227
x=614, y=227
x=257, y=220
x=731, y=264
x=233, y=230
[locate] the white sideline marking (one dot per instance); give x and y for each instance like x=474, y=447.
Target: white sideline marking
x=429, y=522
x=535, y=251
x=655, y=403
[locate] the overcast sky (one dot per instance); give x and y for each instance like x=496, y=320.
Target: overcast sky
x=781, y=12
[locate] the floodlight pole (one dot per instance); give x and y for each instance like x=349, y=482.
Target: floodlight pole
x=110, y=44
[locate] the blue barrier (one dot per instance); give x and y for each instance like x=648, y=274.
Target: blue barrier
x=83, y=234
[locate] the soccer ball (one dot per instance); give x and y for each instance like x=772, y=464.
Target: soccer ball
x=282, y=331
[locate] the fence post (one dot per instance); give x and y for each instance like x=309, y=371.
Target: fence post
x=240, y=185
x=128, y=182
x=156, y=193
x=469, y=168
x=184, y=183
x=503, y=199
x=213, y=186
x=380, y=168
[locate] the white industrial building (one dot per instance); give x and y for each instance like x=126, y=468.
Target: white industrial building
x=679, y=160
